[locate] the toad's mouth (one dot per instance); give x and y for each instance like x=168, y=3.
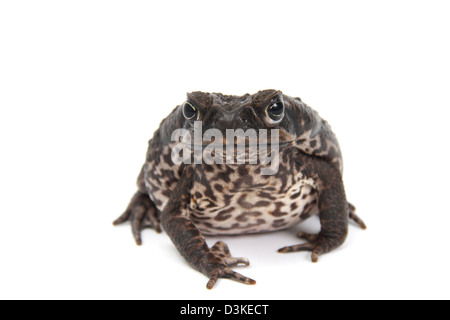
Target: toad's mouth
x=280, y=140
x=237, y=146
x=199, y=136
x=240, y=150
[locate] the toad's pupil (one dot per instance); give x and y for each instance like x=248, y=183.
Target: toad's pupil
x=276, y=109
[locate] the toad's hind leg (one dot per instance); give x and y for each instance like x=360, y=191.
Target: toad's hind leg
x=141, y=212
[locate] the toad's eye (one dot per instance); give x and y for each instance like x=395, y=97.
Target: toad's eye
x=275, y=111
x=189, y=111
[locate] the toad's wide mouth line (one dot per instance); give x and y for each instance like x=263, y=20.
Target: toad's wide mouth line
x=267, y=144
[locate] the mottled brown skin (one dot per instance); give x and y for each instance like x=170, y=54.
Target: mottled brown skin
x=193, y=200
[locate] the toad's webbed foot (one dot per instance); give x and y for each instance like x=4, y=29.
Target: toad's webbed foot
x=218, y=263
x=141, y=213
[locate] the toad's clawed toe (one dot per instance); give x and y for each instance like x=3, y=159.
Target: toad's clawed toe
x=227, y=273
x=355, y=218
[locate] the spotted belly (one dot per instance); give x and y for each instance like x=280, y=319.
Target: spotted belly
x=256, y=209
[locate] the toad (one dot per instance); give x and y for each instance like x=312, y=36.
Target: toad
x=234, y=189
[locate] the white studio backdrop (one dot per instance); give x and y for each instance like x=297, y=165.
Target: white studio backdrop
x=84, y=84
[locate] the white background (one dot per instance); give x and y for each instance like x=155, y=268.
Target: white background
x=84, y=84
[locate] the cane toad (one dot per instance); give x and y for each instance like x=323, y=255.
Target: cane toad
x=191, y=199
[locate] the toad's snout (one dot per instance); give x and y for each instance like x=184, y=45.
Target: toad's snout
x=223, y=118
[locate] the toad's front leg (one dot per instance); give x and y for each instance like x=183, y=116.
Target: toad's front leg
x=334, y=215
x=214, y=262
